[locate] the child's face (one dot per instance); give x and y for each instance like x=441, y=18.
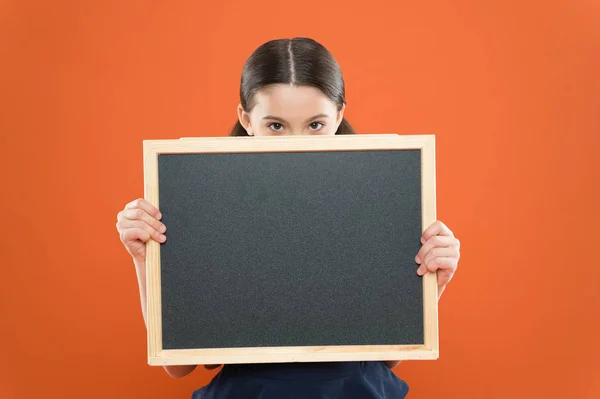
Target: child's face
x=291, y=110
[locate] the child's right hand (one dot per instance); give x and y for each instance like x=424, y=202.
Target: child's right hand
x=137, y=223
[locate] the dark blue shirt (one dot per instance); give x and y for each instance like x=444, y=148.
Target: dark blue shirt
x=348, y=380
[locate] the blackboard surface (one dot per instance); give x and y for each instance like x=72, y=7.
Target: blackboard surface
x=291, y=249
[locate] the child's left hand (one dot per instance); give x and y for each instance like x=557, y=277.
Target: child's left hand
x=440, y=253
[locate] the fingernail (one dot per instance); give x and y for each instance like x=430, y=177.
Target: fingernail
x=163, y=237
x=422, y=240
x=418, y=259
x=163, y=228
x=159, y=215
x=420, y=271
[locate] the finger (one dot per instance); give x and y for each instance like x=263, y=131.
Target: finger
x=436, y=229
x=140, y=214
x=439, y=263
x=125, y=224
x=130, y=235
x=448, y=252
x=146, y=206
x=435, y=242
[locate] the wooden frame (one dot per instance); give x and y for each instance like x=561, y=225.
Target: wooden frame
x=159, y=356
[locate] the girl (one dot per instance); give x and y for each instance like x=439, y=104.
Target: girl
x=291, y=87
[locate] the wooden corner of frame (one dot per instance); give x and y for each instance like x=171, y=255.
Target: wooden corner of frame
x=146, y=146
x=430, y=138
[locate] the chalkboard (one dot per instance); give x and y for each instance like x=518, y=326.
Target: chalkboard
x=290, y=249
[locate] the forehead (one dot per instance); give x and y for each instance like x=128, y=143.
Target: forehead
x=288, y=100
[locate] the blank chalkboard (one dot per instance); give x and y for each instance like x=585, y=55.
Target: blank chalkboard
x=290, y=249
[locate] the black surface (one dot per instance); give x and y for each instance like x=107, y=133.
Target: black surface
x=291, y=249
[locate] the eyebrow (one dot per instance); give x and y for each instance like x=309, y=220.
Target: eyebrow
x=276, y=118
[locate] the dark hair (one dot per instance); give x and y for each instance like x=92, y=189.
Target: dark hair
x=298, y=61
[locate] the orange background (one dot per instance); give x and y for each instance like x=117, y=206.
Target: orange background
x=510, y=88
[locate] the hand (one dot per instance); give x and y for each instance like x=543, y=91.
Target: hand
x=137, y=223
x=439, y=253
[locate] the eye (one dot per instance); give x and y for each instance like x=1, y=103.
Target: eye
x=276, y=127
x=316, y=126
